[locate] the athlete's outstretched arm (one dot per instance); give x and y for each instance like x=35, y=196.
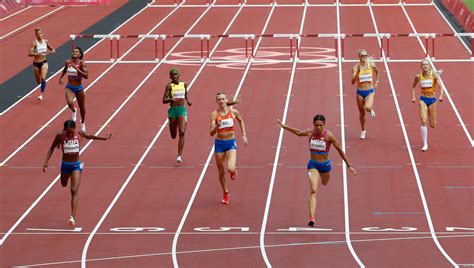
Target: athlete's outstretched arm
x=335, y=143
x=293, y=130
x=94, y=137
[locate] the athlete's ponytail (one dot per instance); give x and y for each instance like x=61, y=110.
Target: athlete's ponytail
x=319, y=117
x=69, y=124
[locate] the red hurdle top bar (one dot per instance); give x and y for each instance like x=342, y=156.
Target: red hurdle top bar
x=69, y=2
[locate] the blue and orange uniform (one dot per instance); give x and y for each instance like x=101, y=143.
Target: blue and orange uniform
x=319, y=144
x=225, y=123
x=365, y=76
x=428, y=88
x=70, y=145
x=73, y=75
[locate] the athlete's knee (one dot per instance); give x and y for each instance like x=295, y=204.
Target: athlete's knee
x=368, y=108
x=74, y=192
x=324, y=182
x=231, y=169
x=432, y=124
x=181, y=133
x=173, y=134
x=221, y=172
x=313, y=191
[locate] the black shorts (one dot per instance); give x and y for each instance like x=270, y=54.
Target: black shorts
x=39, y=64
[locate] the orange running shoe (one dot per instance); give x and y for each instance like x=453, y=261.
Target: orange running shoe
x=225, y=200
x=233, y=175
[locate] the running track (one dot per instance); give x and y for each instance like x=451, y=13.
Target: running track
x=137, y=208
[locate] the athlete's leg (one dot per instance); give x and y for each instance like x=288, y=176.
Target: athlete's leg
x=44, y=72
x=424, y=121
x=360, y=105
x=369, y=102
x=325, y=177
x=314, y=178
x=432, y=115
x=75, y=182
x=173, y=126
x=64, y=179
x=220, y=158
x=182, y=130
x=81, y=101
x=70, y=99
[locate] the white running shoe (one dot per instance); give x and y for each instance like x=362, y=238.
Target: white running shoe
x=179, y=159
x=74, y=115
x=83, y=127
x=372, y=113
x=424, y=148
x=71, y=221
x=362, y=134
x=40, y=97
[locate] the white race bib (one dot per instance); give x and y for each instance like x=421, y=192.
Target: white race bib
x=71, y=71
x=428, y=83
x=226, y=123
x=71, y=146
x=41, y=48
x=178, y=94
x=319, y=145
x=365, y=78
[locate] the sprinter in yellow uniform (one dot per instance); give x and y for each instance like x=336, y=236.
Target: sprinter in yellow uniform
x=365, y=74
x=428, y=82
x=176, y=94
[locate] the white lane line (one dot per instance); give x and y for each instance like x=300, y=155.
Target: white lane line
x=240, y=248
x=203, y=172
x=278, y=149
x=77, y=229
x=466, y=131
x=150, y=146
x=13, y=14
x=347, y=226
x=65, y=107
x=85, y=147
x=31, y=22
x=410, y=152
x=85, y=52
x=297, y=231
x=272, y=61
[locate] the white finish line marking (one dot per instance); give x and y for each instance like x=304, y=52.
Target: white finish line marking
x=77, y=229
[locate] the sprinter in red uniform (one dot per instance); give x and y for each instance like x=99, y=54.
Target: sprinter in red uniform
x=76, y=69
x=69, y=140
x=319, y=165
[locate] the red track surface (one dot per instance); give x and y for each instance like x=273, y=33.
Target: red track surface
x=157, y=193
x=56, y=28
